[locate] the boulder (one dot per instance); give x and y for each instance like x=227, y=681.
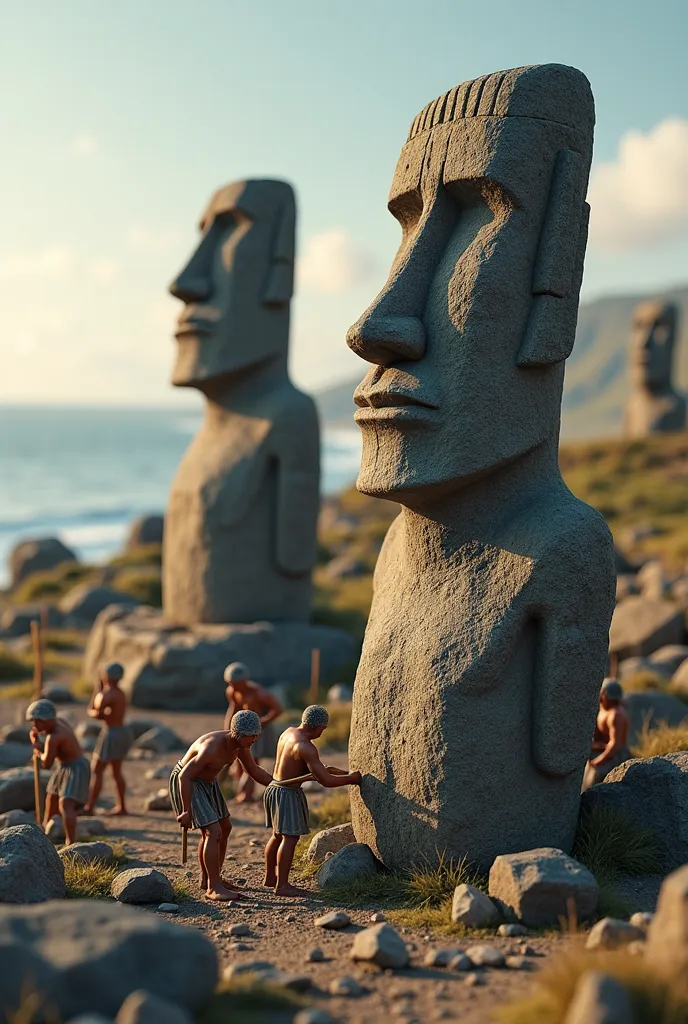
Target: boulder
x=679, y=592
x=654, y=586
x=667, y=936
x=89, y=853
x=340, y=694
x=599, y=999
x=59, y=694
x=142, y=885
x=160, y=740
x=641, y=626
x=15, y=734
x=139, y=726
x=652, y=707
x=146, y=1008
x=330, y=840
x=485, y=956
x=626, y=584
x=16, y=789
x=538, y=887
x=30, y=869
x=143, y=531
x=10, y=818
x=473, y=908
x=87, y=734
x=159, y=801
x=85, y=827
x=16, y=620
x=632, y=667
x=37, y=556
x=87, y=956
x=82, y=605
x=345, y=567
x=654, y=794
x=611, y=933
x=348, y=864
x=667, y=660
x=334, y=921
x=679, y=681
x=14, y=755
x=382, y=945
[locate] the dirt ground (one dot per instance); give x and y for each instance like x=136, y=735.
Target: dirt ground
x=282, y=930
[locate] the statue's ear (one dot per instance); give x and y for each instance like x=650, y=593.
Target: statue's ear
x=551, y=328
x=279, y=287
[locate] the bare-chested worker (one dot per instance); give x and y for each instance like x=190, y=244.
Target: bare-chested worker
x=68, y=784
x=245, y=695
x=198, y=802
x=611, y=735
x=286, y=808
x=109, y=705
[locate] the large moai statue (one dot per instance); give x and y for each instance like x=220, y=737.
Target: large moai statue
x=240, y=528
x=653, y=407
x=476, y=694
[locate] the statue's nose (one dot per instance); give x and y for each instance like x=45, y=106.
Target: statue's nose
x=386, y=338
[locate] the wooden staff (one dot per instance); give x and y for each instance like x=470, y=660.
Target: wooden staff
x=308, y=778
x=315, y=676
x=37, y=690
x=184, y=839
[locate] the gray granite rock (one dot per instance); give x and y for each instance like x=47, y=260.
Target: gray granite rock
x=144, y=1007
x=159, y=801
x=667, y=660
x=345, y=986
x=143, y=531
x=30, y=869
x=611, y=933
x=17, y=789
x=38, y=555
x=382, y=945
x=14, y=755
x=160, y=740
x=599, y=999
x=667, y=936
x=335, y=920
x=15, y=734
x=641, y=626
x=538, y=887
x=81, y=605
x=473, y=908
x=485, y=956
x=652, y=708
x=142, y=885
x=330, y=840
x=16, y=817
x=89, y=853
x=349, y=863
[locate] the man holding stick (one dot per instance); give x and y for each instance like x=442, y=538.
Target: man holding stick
x=109, y=705
x=198, y=802
x=286, y=807
x=68, y=784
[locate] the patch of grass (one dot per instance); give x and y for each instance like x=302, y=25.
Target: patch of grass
x=67, y=640
x=142, y=555
x=181, y=890
x=335, y=809
x=610, y=904
x=82, y=688
x=248, y=1000
x=655, y=999
x=13, y=667
x=88, y=881
x=336, y=736
x=143, y=584
x=660, y=739
x=641, y=682
x=52, y=584
x=17, y=691
x=610, y=844
x=431, y=883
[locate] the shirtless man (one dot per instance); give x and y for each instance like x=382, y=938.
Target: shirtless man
x=197, y=799
x=244, y=695
x=611, y=735
x=109, y=704
x=68, y=784
x=286, y=808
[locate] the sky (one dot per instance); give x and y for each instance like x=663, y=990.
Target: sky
x=119, y=121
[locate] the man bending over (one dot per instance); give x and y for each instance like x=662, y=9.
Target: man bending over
x=68, y=784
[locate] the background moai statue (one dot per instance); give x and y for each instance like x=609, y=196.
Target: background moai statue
x=240, y=528
x=653, y=407
x=476, y=694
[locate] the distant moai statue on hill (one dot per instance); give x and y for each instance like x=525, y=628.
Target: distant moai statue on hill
x=478, y=684
x=653, y=406
x=240, y=528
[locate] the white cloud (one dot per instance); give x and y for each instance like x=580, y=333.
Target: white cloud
x=331, y=262
x=105, y=271
x=149, y=240
x=53, y=263
x=641, y=198
x=84, y=144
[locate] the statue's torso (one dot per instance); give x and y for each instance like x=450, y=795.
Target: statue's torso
x=654, y=414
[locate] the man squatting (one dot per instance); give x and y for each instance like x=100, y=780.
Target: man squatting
x=68, y=784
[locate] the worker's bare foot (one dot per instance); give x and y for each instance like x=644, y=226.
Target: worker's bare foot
x=290, y=890
x=203, y=881
x=241, y=798
x=221, y=894
x=87, y=812
x=116, y=812
x=270, y=881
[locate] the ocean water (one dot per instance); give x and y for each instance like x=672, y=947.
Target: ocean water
x=83, y=474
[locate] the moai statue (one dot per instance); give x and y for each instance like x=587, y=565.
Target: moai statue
x=478, y=685
x=239, y=539
x=653, y=407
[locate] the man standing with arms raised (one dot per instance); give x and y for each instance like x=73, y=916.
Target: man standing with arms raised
x=245, y=695
x=109, y=705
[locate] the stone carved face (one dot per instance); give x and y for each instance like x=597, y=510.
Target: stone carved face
x=237, y=284
x=653, y=336
x=451, y=394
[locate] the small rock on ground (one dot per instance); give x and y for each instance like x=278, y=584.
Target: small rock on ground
x=472, y=978
x=315, y=956
x=333, y=921
x=382, y=945
x=599, y=999
x=440, y=957
x=473, y=908
x=460, y=962
x=510, y=931
x=238, y=930
x=142, y=885
x=145, y=1008
x=611, y=933
x=314, y=1016
x=518, y=963
x=345, y=986
x=485, y=956
x=168, y=908
x=89, y=853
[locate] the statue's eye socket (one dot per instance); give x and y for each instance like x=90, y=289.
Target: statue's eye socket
x=407, y=209
x=661, y=334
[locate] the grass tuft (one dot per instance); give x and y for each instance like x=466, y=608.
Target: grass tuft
x=430, y=884
x=181, y=890
x=248, y=1000
x=88, y=881
x=609, y=844
x=335, y=809
x=660, y=739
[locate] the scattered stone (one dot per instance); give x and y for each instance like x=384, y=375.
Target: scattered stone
x=315, y=956
x=349, y=863
x=294, y=982
x=160, y=801
x=16, y=789
x=440, y=957
x=15, y=734
x=540, y=886
x=145, y=1008
x=334, y=921
x=142, y=885
x=112, y=950
x=169, y=908
x=239, y=930
x=667, y=660
x=250, y=967
x=511, y=931
x=518, y=963
x=85, y=827
x=30, y=869
x=290, y=918
x=89, y=853
x=473, y=908
x=82, y=605
x=526, y=950
x=599, y=999
x=14, y=755
x=59, y=694
x=340, y=694
x=16, y=817
x=377, y=917
x=485, y=956
x=161, y=772
x=38, y=556
x=667, y=936
x=314, y=1016
x=160, y=740
x=460, y=962
x=330, y=841
x=382, y=945
x=473, y=978
x=345, y=986
x=611, y=933
x=642, y=920
x=641, y=625
x=239, y=947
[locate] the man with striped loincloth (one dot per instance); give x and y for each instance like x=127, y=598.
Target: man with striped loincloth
x=68, y=784
x=198, y=801
x=109, y=705
x=286, y=807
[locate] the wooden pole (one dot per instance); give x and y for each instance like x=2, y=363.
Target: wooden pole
x=315, y=676
x=37, y=690
x=184, y=839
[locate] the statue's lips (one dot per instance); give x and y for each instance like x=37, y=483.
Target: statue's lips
x=185, y=327
x=379, y=406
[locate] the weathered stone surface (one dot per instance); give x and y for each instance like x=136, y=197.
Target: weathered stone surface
x=30, y=869
x=382, y=945
x=143, y=531
x=330, y=840
x=485, y=956
x=667, y=936
x=611, y=933
x=174, y=668
x=473, y=908
x=90, y=853
x=537, y=885
x=460, y=962
x=651, y=708
x=142, y=885
x=87, y=956
x=335, y=920
x=38, y=555
x=146, y=1008
x=654, y=794
x=349, y=863
x=667, y=660
x=10, y=818
x=15, y=734
x=83, y=604
x=159, y=801
x=160, y=740
x=512, y=931
x=460, y=421
x=14, y=755
x=599, y=999
x=641, y=626
x=653, y=406
x=16, y=789
x=59, y=694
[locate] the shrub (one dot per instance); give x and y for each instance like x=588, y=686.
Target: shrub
x=88, y=881
x=609, y=844
x=144, y=585
x=144, y=554
x=641, y=682
x=660, y=739
x=52, y=583
x=13, y=667
x=335, y=809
